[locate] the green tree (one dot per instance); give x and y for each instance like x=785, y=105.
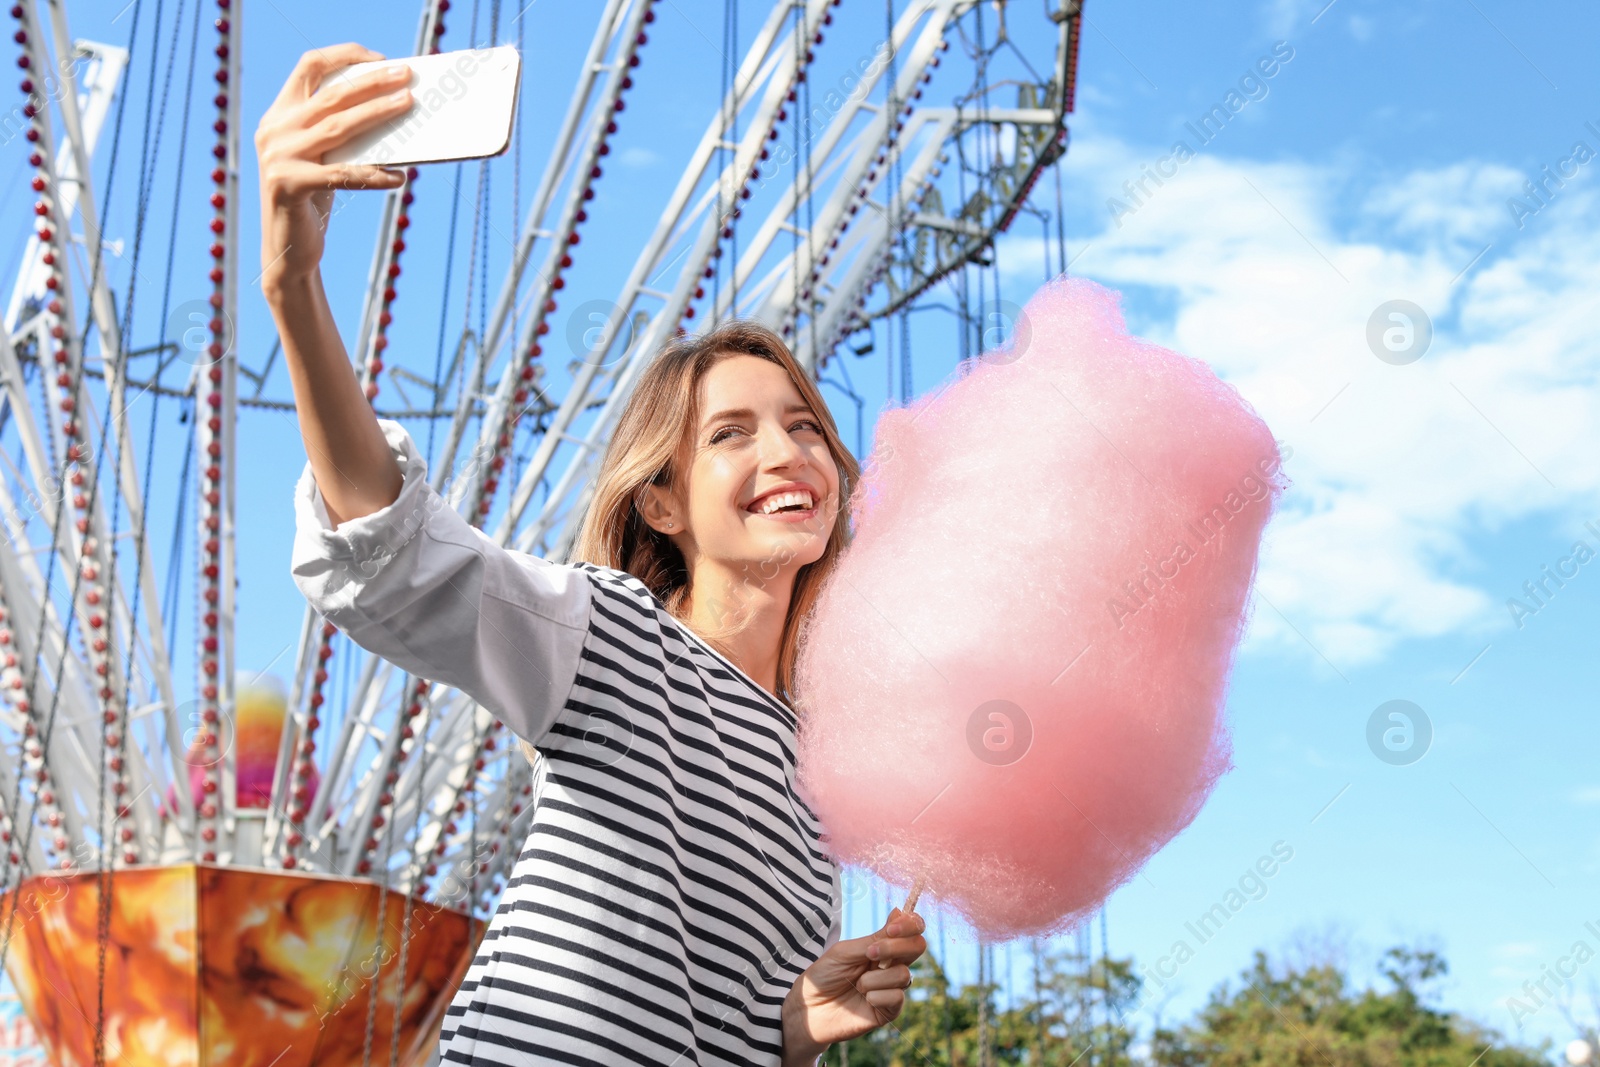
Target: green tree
x=1082, y=1003
x=1289, y=1016
x=1073, y=1021
x=1308, y=1017
x=938, y=1026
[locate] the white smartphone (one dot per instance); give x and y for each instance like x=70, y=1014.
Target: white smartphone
x=463, y=105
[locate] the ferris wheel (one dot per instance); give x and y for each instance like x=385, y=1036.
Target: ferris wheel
x=822, y=213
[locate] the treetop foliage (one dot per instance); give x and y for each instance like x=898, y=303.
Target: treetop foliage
x=1079, y=1015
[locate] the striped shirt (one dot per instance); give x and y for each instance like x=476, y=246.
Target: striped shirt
x=673, y=884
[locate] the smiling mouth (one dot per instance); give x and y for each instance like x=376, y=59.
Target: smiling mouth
x=789, y=513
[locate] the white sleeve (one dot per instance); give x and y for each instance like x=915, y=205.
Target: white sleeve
x=418, y=585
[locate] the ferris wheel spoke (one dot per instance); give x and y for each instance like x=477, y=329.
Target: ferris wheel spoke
x=518, y=818
x=367, y=804
x=462, y=854
x=70, y=428
x=454, y=720
x=305, y=700
x=133, y=500
x=616, y=35
x=357, y=726
x=17, y=857
x=77, y=688
x=475, y=483
x=501, y=814
x=456, y=743
x=49, y=760
x=910, y=76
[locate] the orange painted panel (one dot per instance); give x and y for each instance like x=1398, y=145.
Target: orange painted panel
x=233, y=967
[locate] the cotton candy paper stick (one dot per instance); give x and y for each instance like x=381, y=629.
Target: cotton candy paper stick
x=1012, y=688
x=911, y=901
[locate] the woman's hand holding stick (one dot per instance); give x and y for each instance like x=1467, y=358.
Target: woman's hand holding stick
x=855, y=987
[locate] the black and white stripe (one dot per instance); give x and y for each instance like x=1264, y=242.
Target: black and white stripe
x=673, y=884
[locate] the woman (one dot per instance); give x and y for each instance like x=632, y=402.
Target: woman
x=673, y=902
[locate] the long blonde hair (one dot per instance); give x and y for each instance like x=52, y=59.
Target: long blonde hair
x=655, y=428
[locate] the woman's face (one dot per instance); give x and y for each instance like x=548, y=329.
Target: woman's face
x=755, y=434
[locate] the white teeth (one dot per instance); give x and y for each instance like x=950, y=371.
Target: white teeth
x=773, y=503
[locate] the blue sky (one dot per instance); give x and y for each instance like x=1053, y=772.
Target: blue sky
x=1375, y=164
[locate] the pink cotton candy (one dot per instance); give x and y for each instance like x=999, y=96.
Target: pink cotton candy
x=1059, y=544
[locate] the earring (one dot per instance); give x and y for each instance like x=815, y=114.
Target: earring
x=669, y=525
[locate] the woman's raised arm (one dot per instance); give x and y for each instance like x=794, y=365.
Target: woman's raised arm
x=353, y=464
x=377, y=552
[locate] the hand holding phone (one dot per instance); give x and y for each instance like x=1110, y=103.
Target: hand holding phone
x=463, y=106
x=301, y=126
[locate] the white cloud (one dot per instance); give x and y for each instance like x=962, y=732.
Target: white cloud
x=1521, y=950
x=1274, y=270
x=1282, y=17
x=1588, y=794
x=635, y=156
x=1461, y=206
